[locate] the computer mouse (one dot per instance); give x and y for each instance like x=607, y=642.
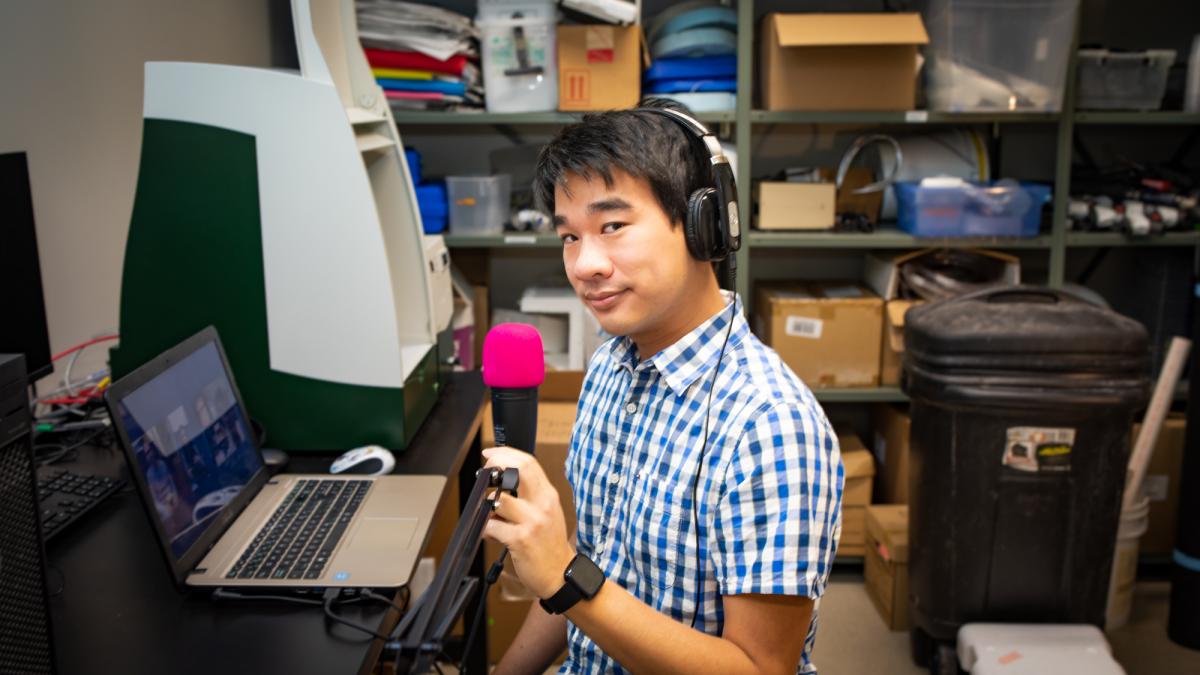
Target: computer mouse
x=370, y=460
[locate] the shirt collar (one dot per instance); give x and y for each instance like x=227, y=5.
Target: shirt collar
x=694, y=354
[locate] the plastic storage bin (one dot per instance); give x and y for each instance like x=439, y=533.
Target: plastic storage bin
x=992, y=55
x=1122, y=80
x=1022, y=400
x=952, y=207
x=479, y=204
x=431, y=200
x=520, y=63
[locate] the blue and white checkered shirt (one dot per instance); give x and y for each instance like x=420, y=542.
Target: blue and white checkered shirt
x=769, y=494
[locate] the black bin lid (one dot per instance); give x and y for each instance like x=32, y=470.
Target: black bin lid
x=1024, y=329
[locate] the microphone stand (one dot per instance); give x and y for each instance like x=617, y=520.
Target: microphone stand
x=421, y=634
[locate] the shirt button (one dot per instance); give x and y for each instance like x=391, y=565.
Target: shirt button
x=615, y=478
x=631, y=407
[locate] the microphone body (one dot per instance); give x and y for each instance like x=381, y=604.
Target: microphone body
x=514, y=366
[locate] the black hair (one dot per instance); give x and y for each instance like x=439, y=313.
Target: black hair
x=647, y=146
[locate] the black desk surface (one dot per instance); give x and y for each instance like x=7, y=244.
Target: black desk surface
x=118, y=610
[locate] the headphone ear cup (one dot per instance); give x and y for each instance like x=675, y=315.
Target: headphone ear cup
x=700, y=227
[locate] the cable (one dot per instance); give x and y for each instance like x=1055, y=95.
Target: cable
x=84, y=345
x=222, y=594
x=331, y=595
x=704, y=446
x=492, y=576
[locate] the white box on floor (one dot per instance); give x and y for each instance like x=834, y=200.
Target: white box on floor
x=1034, y=649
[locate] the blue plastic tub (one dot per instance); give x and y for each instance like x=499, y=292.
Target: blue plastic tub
x=945, y=209
x=435, y=210
x=413, y=157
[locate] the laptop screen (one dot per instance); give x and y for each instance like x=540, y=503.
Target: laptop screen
x=191, y=444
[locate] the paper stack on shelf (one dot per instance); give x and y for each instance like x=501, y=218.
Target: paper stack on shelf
x=422, y=56
x=694, y=46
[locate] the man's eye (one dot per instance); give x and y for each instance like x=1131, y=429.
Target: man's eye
x=611, y=227
x=568, y=238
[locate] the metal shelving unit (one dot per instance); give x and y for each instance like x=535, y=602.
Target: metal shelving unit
x=507, y=240
x=1109, y=239
x=428, y=118
x=1149, y=117
x=865, y=395
x=900, y=117
x=886, y=237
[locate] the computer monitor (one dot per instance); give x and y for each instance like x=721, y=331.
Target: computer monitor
x=21, y=301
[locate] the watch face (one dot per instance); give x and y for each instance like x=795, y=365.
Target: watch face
x=585, y=576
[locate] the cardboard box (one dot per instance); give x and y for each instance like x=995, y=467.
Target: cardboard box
x=599, y=67
x=892, y=430
x=509, y=600
x=1162, y=486
x=795, y=206
x=881, y=272
x=848, y=61
x=885, y=565
x=891, y=357
x=827, y=333
x=854, y=532
x=859, y=470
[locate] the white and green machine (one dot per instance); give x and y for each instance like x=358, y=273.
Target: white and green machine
x=278, y=207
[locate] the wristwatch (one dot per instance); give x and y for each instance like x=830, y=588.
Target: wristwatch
x=583, y=581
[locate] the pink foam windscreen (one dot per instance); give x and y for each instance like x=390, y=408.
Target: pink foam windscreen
x=512, y=356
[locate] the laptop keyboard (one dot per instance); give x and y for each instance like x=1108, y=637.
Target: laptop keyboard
x=300, y=537
x=65, y=496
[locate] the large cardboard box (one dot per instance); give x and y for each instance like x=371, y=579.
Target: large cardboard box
x=892, y=430
x=796, y=206
x=509, y=600
x=885, y=565
x=859, y=470
x=1162, y=486
x=848, y=61
x=854, y=532
x=828, y=333
x=891, y=357
x=599, y=67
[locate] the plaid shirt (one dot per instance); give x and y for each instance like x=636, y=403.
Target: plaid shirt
x=769, y=494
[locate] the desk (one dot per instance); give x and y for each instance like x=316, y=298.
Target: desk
x=119, y=610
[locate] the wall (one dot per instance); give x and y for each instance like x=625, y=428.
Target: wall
x=71, y=83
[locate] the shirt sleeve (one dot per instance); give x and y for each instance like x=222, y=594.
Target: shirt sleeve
x=779, y=516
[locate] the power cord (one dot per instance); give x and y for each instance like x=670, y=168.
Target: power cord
x=331, y=595
x=493, y=575
x=704, y=446
x=328, y=598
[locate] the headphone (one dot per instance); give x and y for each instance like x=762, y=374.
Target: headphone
x=711, y=228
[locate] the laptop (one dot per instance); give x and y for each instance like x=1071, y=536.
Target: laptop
x=222, y=521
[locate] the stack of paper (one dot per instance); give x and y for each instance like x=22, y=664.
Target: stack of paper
x=422, y=56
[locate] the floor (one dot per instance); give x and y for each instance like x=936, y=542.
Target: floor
x=849, y=622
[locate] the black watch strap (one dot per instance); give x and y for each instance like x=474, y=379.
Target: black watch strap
x=583, y=579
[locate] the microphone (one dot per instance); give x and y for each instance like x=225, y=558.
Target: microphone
x=513, y=367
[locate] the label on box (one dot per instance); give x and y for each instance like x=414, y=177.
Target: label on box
x=1034, y=449
x=802, y=326
x=1156, y=487
x=520, y=239
x=599, y=42
x=916, y=116
x=576, y=86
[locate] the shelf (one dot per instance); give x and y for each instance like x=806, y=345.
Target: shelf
x=1104, y=239
x=410, y=118
x=886, y=237
x=506, y=240
x=371, y=142
x=863, y=395
x=1147, y=117
x=897, y=117
x=361, y=116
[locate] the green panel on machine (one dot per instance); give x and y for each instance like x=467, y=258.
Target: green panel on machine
x=194, y=258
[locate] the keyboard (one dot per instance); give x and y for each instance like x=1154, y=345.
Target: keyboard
x=65, y=496
x=300, y=537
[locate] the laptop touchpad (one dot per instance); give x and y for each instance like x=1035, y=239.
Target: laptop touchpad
x=379, y=535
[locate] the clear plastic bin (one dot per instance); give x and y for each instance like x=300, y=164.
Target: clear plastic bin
x=951, y=207
x=520, y=64
x=1122, y=80
x=996, y=55
x=479, y=204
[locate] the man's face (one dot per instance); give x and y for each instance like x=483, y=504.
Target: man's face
x=624, y=258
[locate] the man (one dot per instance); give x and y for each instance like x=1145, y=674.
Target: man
x=707, y=481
